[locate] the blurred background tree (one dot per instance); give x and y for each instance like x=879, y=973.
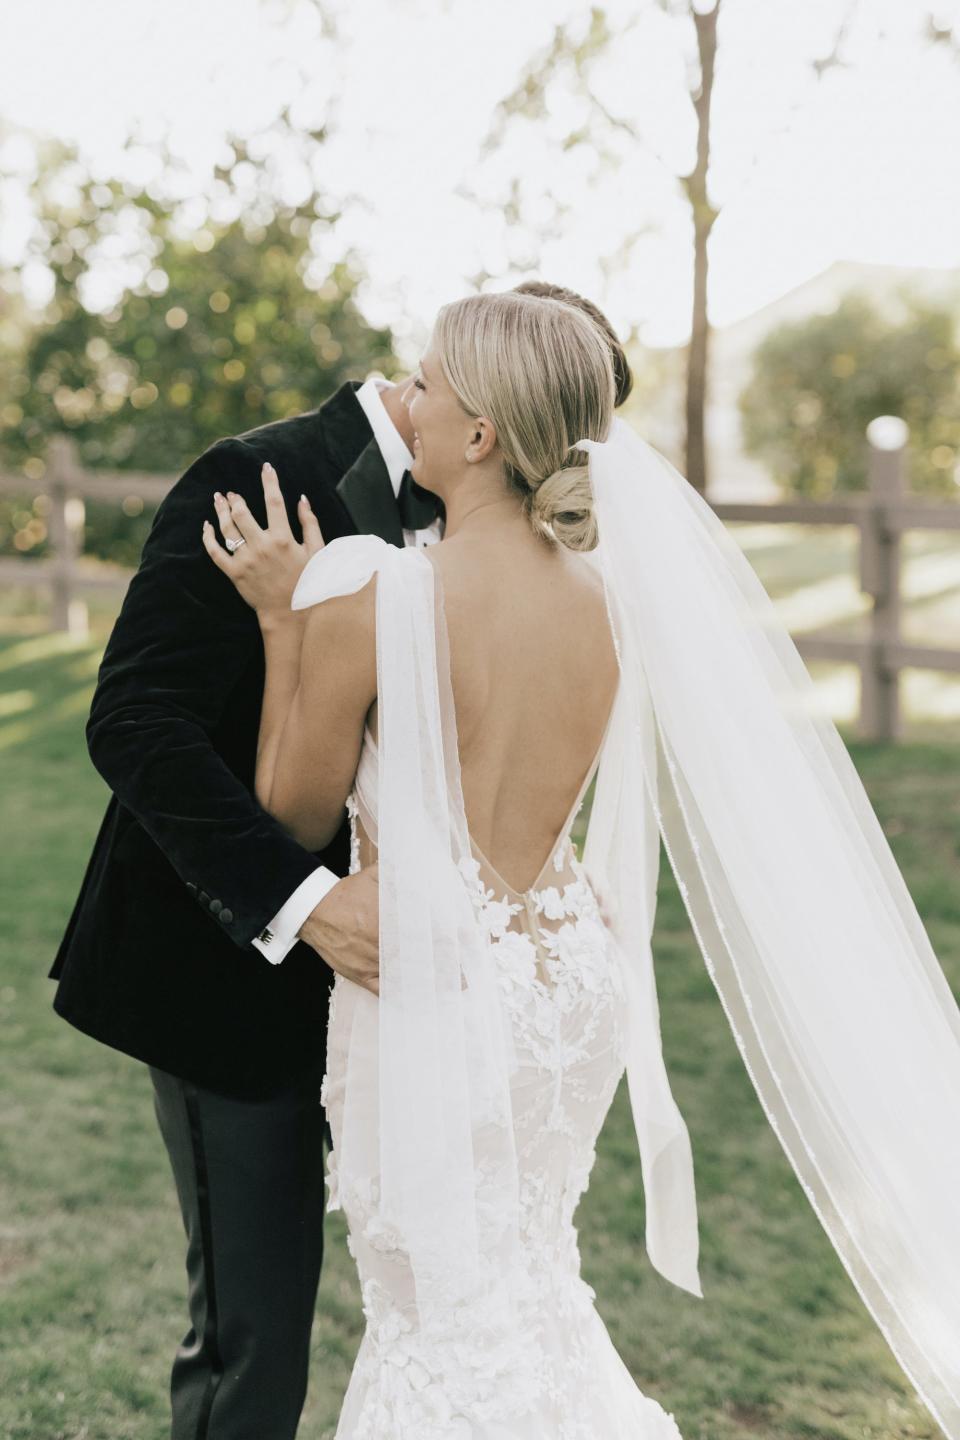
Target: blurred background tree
x=576, y=58
x=220, y=326
x=819, y=381
x=576, y=75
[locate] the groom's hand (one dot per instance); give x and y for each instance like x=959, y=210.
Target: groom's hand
x=344, y=929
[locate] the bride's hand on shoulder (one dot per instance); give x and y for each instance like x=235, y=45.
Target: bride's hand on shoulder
x=263, y=564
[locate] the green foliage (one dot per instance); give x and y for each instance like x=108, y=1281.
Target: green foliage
x=225, y=326
x=818, y=382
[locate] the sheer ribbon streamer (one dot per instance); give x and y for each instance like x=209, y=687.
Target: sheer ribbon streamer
x=844, y=1018
x=444, y=1057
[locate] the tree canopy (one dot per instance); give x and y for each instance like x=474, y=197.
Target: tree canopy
x=226, y=326
x=818, y=382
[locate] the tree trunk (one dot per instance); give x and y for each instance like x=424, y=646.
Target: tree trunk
x=704, y=215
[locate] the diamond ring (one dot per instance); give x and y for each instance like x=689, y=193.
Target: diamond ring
x=234, y=544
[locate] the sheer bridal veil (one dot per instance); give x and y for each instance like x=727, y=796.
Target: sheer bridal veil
x=842, y=1014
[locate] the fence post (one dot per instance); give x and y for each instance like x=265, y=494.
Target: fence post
x=880, y=717
x=67, y=515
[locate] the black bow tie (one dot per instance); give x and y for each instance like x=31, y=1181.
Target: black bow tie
x=418, y=507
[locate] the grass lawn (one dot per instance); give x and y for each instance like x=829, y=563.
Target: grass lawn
x=92, y=1289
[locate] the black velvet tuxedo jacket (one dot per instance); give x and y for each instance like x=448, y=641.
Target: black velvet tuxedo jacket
x=188, y=868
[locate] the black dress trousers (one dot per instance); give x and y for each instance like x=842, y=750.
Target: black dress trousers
x=249, y=1176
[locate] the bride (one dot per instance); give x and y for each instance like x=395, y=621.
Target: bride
x=585, y=615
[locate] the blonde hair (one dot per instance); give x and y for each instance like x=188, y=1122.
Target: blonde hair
x=541, y=371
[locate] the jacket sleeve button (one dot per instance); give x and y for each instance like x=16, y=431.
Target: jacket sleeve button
x=215, y=907
x=204, y=898
x=191, y=887
x=226, y=916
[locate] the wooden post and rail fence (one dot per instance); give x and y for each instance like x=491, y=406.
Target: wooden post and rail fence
x=882, y=515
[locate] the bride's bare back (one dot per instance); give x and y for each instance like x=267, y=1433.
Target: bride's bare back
x=534, y=673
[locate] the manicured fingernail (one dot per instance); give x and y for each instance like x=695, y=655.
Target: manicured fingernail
x=305, y=501
x=217, y=495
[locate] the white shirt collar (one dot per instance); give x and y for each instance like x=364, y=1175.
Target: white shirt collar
x=396, y=456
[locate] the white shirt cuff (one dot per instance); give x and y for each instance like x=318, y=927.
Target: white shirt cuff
x=280, y=935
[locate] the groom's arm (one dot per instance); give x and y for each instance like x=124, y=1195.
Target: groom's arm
x=182, y=640
x=282, y=932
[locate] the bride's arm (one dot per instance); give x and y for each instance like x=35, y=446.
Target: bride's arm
x=320, y=666
x=282, y=637
x=321, y=679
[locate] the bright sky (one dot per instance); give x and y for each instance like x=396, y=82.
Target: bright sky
x=861, y=166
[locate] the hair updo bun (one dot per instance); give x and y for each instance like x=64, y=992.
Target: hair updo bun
x=542, y=372
x=561, y=507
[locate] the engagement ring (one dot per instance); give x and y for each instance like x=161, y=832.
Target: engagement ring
x=234, y=544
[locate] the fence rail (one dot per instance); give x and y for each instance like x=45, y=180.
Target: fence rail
x=882, y=515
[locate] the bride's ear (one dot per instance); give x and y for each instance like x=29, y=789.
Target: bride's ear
x=481, y=440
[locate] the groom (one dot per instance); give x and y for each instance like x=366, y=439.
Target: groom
x=192, y=888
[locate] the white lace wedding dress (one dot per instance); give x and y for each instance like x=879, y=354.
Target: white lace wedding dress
x=560, y=977
x=839, y=1007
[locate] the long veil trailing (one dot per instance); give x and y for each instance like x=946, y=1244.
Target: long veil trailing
x=843, y=1016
